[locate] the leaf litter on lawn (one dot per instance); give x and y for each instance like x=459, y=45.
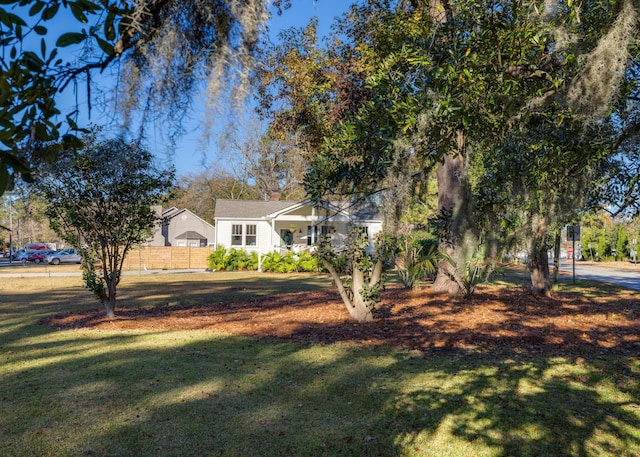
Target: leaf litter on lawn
x=494, y=318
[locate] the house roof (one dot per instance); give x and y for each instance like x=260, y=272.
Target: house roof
x=173, y=212
x=257, y=209
x=170, y=212
x=190, y=235
x=250, y=209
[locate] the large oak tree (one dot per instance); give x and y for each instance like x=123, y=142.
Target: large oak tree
x=161, y=52
x=452, y=82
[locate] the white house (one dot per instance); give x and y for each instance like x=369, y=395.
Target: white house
x=265, y=226
x=183, y=228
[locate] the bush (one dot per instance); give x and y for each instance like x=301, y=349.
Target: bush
x=289, y=262
x=237, y=259
x=307, y=262
x=232, y=260
x=279, y=263
x=420, y=258
x=216, y=259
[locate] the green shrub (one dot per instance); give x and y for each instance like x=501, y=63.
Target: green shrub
x=216, y=259
x=279, y=263
x=232, y=260
x=237, y=259
x=307, y=263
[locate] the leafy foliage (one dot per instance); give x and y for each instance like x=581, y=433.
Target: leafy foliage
x=454, y=85
x=160, y=50
x=238, y=259
x=232, y=260
x=100, y=200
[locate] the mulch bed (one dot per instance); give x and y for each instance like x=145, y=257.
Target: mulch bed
x=494, y=318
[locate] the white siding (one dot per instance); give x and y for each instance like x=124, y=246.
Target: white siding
x=263, y=235
x=224, y=234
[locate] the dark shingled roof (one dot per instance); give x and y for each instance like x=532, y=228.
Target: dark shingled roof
x=190, y=235
x=257, y=209
x=249, y=209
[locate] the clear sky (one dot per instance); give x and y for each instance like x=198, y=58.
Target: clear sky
x=189, y=157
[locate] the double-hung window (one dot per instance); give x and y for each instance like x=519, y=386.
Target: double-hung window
x=236, y=235
x=251, y=237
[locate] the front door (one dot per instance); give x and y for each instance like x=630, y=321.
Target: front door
x=287, y=239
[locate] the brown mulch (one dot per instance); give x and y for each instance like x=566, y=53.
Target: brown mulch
x=493, y=318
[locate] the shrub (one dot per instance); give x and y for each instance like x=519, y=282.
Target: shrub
x=307, y=262
x=237, y=259
x=420, y=258
x=216, y=259
x=232, y=260
x=279, y=263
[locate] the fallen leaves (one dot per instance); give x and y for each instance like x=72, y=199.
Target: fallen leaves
x=493, y=318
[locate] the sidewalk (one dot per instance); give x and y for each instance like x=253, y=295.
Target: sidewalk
x=52, y=273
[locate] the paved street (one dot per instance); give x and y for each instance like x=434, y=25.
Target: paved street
x=28, y=269
x=625, y=278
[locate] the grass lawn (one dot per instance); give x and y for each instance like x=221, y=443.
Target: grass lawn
x=204, y=393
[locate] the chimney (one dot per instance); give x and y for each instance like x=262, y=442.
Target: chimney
x=275, y=196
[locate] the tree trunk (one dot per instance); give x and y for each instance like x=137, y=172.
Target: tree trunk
x=539, y=268
x=109, y=307
x=539, y=263
x=358, y=308
x=110, y=301
x=457, y=237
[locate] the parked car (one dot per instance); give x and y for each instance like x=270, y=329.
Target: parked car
x=21, y=255
x=69, y=255
x=38, y=256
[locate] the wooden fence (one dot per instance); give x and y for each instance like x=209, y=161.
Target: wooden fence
x=166, y=258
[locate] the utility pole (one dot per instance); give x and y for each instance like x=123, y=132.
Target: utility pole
x=10, y=230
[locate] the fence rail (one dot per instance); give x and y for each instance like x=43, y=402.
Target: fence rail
x=166, y=258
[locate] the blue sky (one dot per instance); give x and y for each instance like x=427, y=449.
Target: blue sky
x=189, y=156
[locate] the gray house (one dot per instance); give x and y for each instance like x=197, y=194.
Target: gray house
x=265, y=226
x=183, y=228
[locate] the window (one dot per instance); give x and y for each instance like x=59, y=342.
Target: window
x=312, y=237
x=251, y=238
x=327, y=230
x=312, y=233
x=236, y=235
x=365, y=231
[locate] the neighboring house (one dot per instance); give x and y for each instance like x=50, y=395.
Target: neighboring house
x=183, y=228
x=267, y=226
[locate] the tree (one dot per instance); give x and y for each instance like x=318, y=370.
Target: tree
x=199, y=192
x=30, y=224
x=455, y=80
x=101, y=200
x=161, y=51
x=356, y=273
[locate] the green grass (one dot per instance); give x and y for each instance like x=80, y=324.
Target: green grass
x=196, y=393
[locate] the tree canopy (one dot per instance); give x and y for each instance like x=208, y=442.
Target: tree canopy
x=161, y=52
x=101, y=200
x=537, y=93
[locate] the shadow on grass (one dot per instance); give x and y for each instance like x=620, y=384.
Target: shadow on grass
x=195, y=393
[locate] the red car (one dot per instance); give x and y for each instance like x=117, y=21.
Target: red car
x=38, y=256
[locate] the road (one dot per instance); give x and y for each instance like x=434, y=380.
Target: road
x=625, y=278
x=28, y=270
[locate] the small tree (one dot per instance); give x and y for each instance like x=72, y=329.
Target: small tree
x=356, y=273
x=100, y=200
